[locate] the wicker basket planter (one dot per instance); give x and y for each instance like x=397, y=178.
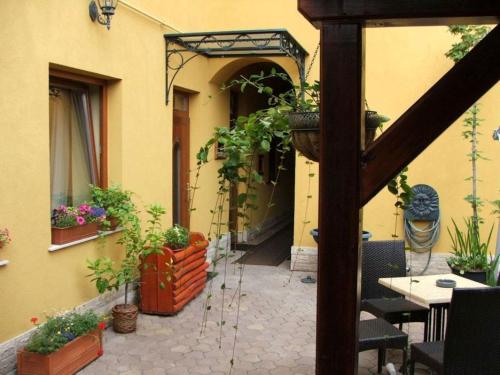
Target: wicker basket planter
x=73, y=356
x=125, y=318
x=304, y=128
x=187, y=269
x=305, y=133
x=64, y=235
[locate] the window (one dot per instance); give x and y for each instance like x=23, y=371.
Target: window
x=77, y=137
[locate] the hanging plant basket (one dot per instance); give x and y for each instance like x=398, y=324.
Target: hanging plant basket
x=304, y=128
x=372, y=122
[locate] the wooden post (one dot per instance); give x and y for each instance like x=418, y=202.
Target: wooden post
x=342, y=117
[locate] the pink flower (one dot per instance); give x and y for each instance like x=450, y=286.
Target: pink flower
x=84, y=209
x=80, y=220
x=62, y=208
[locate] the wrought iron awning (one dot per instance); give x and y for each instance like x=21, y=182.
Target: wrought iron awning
x=220, y=44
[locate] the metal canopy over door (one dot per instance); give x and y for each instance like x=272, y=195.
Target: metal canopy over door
x=180, y=160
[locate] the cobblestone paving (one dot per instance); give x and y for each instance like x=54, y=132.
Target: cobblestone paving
x=276, y=332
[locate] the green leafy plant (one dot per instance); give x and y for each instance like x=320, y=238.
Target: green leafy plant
x=109, y=276
x=57, y=331
x=469, y=252
x=176, y=237
x=470, y=35
x=4, y=237
x=114, y=200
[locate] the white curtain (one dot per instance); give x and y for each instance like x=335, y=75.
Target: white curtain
x=73, y=158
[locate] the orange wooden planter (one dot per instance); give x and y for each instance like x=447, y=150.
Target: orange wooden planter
x=188, y=277
x=64, y=235
x=73, y=356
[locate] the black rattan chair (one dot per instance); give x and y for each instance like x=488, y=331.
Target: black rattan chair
x=387, y=259
x=381, y=335
x=472, y=343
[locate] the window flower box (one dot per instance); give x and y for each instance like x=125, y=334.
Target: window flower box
x=64, y=235
x=71, y=224
x=73, y=356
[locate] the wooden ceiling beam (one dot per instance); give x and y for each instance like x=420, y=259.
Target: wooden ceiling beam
x=380, y=13
x=431, y=115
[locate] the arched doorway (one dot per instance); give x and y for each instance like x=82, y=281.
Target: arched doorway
x=269, y=236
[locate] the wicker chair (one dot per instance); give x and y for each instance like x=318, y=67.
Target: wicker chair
x=387, y=259
x=472, y=343
x=381, y=335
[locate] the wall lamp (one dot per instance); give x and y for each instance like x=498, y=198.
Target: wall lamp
x=107, y=8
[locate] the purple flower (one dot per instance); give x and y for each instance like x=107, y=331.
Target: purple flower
x=62, y=208
x=80, y=220
x=98, y=212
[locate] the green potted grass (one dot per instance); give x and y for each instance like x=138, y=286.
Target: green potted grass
x=471, y=257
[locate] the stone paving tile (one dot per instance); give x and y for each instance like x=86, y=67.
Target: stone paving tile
x=276, y=332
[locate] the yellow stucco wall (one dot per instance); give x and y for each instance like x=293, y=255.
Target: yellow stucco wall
x=401, y=63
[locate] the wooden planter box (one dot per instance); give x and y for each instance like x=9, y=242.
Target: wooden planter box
x=159, y=296
x=64, y=235
x=73, y=356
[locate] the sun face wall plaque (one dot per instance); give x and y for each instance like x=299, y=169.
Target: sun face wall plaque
x=425, y=204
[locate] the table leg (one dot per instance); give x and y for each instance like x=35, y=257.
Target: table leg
x=436, y=325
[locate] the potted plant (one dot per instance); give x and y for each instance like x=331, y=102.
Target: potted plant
x=4, y=237
x=175, y=273
x=108, y=276
x=114, y=200
x=470, y=257
x=299, y=109
x=63, y=344
x=75, y=223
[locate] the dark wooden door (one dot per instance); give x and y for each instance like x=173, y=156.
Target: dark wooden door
x=180, y=160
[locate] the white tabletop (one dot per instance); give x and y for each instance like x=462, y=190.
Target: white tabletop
x=423, y=289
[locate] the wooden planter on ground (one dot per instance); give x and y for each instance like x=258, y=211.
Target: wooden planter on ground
x=188, y=271
x=73, y=356
x=64, y=235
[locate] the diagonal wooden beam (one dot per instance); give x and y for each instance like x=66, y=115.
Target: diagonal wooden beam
x=377, y=13
x=431, y=115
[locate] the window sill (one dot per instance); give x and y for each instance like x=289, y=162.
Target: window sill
x=53, y=248
x=3, y=263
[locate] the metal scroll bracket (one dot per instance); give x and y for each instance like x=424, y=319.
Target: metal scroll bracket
x=264, y=43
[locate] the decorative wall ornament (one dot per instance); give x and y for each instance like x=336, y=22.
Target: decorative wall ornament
x=424, y=208
x=424, y=205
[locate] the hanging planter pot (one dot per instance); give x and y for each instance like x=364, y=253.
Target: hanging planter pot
x=304, y=128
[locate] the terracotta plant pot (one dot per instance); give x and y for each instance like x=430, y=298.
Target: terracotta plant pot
x=73, y=356
x=125, y=318
x=113, y=224
x=187, y=269
x=64, y=235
